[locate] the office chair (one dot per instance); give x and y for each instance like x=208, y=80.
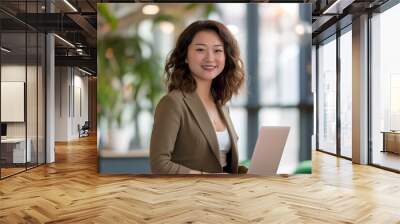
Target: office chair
x=84, y=130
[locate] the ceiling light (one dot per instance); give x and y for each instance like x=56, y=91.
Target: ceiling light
x=150, y=9
x=71, y=6
x=84, y=71
x=65, y=41
x=5, y=49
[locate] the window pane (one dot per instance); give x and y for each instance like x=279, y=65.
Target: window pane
x=327, y=97
x=385, y=86
x=345, y=94
x=279, y=54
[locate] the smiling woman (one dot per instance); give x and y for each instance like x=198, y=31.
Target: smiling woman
x=193, y=132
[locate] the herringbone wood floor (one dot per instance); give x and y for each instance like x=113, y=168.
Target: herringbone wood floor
x=71, y=191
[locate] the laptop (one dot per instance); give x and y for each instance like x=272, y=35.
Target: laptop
x=268, y=150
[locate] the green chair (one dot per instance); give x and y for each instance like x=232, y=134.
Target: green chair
x=305, y=167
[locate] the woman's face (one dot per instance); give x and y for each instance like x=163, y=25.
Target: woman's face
x=206, y=56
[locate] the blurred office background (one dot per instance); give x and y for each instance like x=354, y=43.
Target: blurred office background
x=134, y=41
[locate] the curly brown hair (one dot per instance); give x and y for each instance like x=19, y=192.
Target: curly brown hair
x=225, y=84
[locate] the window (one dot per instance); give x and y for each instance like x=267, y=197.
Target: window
x=346, y=94
x=385, y=87
x=327, y=96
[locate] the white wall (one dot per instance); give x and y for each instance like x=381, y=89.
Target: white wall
x=61, y=103
x=71, y=87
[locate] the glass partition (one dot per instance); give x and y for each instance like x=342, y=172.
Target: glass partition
x=22, y=89
x=14, y=152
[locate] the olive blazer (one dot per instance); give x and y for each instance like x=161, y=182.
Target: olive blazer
x=184, y=138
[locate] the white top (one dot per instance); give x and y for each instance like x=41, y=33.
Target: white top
x=224, y=145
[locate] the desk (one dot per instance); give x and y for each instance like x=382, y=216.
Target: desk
x=16, y=147
x=391, y=141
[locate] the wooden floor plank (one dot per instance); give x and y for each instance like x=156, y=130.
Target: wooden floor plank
x=71, y=191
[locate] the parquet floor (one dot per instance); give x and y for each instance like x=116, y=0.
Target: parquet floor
x=9, y=171
x=71, y=191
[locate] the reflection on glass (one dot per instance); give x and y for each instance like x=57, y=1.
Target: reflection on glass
x=346, y=94
x=285, y=117
x=385, y=85
x=327, y=97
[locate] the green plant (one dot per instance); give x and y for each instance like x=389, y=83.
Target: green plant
x=127, y=77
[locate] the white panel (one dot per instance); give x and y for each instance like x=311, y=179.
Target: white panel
x=12, y=101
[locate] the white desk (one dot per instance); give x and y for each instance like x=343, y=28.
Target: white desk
x=19, y=149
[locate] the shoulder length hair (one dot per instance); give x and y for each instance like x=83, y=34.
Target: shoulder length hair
x=226, y=84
